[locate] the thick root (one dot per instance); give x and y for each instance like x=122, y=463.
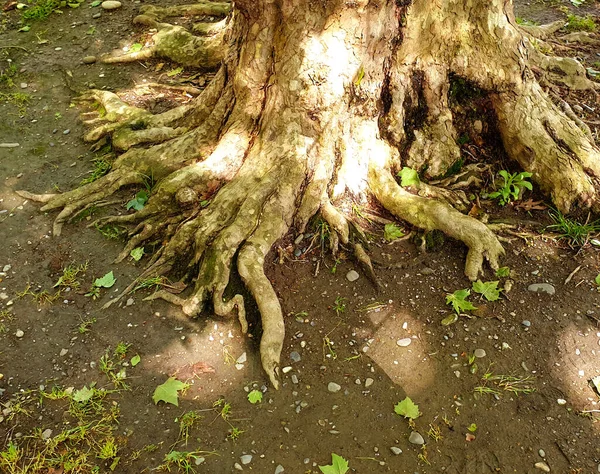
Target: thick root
x=431, y=214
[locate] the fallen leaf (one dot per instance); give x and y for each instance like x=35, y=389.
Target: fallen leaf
x=531, y=205
x=469, y=437
x=168, y=392
x=191, y=370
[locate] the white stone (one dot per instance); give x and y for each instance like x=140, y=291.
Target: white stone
x=286, y=369
x=333, y=387
x=404, y=342
x=542, y=466
x=111, y=5
x=241, y=359
x=246, y=458
x=479, y=353
x=369, y=382
x=63, y=352
x=396, y=450
x=416, y=438
x=19, y=333
x=279, y=469
x=352, y=275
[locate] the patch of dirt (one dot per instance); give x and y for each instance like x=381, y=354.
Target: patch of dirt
x=344, y=332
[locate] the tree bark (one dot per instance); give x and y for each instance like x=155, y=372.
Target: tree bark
x=316, y=105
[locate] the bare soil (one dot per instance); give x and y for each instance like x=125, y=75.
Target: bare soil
x=299, y=426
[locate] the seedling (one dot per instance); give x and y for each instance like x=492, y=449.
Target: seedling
x=508, y=383
x=41, y=297
x=513, y=185
x=111, y=231
x=340, y=305
x=255, y=396
x=183, y=460
x=186, y=423
x=68, y=279
x=102, y=166
x=435, y=432
x=85, y=325
x=580, y=23
x=503, y=272
x=138, y=202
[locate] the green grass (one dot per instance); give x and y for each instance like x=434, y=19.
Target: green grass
x=40, y=10
x=575, y=233
x=580, y=23
x=101, y=167
x=18, y=99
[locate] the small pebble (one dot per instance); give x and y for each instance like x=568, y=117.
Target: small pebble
x=66, y=132
x=542, y=466
x=295, y=356
x=110, y=5
x=130, y=301
x=89, y=60
x=561, y=401
x=542, y=453
x=46, y=434
x=294, y=378
x=333, y=387
x=285, y=370
x=279, y=469
x=479, y=353
x=396, y=450
x=526, y=323
x=241, y=359
x=238, y=466
x=95, y=16
x=297, y=252
x=199, y=460
x=404, y=342
x=369, y=382
x=23, y=85
x=246, y=458
x=352, y=275
x=416, y=438
x=19, y=333
x=64, y=352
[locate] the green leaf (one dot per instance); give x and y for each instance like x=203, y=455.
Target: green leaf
x=472, y=427
x=503, y=272
x=135, y=48
x=489, y=290
x=139, y=201
x=360, y=76
x=174, y=72
x=135, y=360
x=168, y=391
x=597, y=279
x=408, y=177
x=392, y=232
x=338, y=465
x=73, y=5
x=137, y=253
x=407, y=409
x=96, y=3
x=106, y=281
x=83, y=395
x=255, y=396
x=458, y=301
x=25, y=28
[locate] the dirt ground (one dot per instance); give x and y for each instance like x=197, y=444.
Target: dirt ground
x=336, y=330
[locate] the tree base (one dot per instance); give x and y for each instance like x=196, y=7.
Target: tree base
x=295, y=121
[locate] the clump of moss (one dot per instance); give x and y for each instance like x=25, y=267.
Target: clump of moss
x=40, y=9
x=580, y=23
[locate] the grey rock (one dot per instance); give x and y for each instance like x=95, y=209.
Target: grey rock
x=542, y=453
x=95, y=16
x=299, y=239
x=297, y=252
x=295, y=356
x=404, y=342
x=246, y=458
x=241, y=359
x=526, y=323
x=199, y=460
x=63, y=352
x=478, y=126
x=542, y=287
x=129, y=302
x=294, y=378
x=279, y=469
x=333, y=387
x=352, y=275
x=369, y=382
x=67, y=131
x=238, y=466
x=46, y=434
x=416, y=438
x=479, y=353
x=396, y=450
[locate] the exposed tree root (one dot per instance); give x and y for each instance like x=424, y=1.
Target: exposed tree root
x=302, y=115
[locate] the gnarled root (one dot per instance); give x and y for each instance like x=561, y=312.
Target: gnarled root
x=431, y=214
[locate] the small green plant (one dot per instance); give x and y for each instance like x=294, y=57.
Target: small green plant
x=102, y=166
x=255, y=396
x=496, y=384
x=186, y=422
x=407, y=409
x=39, y=10
x=597, y=281
x=150, y=283
x=184, y=461
x=69, y=279
x=513, y=186
x=234, y=433
x=503, y=272
x=18, y=99
x=576, y=234
x=139, y=201
x=580, y=23
x=85, y=325
x=409, y=177
x=111, y=231
x=340, y=305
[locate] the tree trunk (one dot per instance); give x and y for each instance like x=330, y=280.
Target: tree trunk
x=317, y=105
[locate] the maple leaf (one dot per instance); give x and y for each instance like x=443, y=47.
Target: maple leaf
x=407, y=409
x=459, y=302
x=255, y=396
x=489, y=290
x=168, y=392
x=338, y=465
